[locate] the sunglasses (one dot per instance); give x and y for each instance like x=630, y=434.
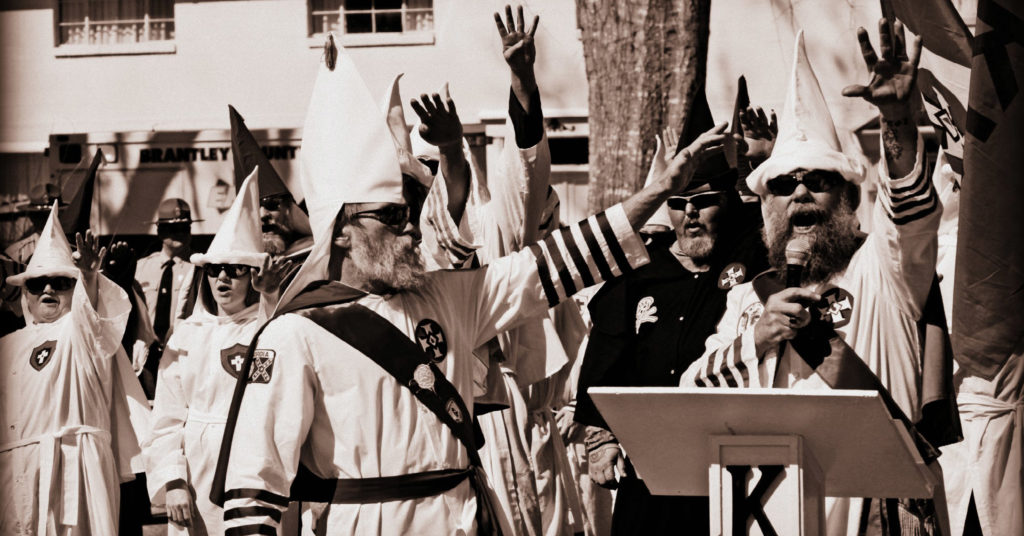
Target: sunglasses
x=815, y=181
x=699, y=201
x=395, y=216
x=174, y=228
x=38, y=284
x=233, y=270
x=273, y=203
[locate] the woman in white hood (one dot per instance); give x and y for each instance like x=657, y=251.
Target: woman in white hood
x=200, y=366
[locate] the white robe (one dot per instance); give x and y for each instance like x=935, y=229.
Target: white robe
x=66, y=442
x=345, y=417
x=193, y=394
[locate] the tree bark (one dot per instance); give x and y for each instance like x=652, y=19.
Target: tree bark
x=645, y=61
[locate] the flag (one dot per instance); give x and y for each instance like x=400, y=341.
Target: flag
x=75, y=217
x=247, y=154
x=988, y=303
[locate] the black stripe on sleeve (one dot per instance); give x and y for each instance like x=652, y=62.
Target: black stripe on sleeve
x=613, y=242
x=577, y=257
x=903, y=207
x=728, y=377
x=258, y=494
x=560, y=267
x=916, y=185
x=916, y=216
x=247, y=530
x=595, y=250
x=253, y=511
x=699, y=382
x=545, y=275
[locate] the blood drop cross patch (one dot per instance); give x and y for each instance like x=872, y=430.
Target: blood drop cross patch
x=432, y=340
x=835, y=307
x=732, y=275
x=232, y=358
x=262, y=366
x=42, y=354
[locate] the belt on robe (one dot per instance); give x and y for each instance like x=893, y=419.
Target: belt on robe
x=386, y=488
x=53, y=453
x=974, y=405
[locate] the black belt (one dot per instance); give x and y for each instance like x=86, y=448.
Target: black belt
x=384, y=488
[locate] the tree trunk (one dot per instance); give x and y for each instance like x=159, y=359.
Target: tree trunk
x=645, y=61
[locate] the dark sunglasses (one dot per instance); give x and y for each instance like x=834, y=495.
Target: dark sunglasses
x=699, y=201
x=815, y=181
x=233, y=270
x=174, y=228
x=395, y=216
x=37, y=285
x=273, y=203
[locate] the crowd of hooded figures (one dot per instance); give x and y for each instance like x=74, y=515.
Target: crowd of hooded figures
x=408, y=350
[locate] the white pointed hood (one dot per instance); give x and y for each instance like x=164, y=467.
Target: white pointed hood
x=240, y=238
x=395, y=115
x=52, y=257
x=661, y=216
x=807, y=135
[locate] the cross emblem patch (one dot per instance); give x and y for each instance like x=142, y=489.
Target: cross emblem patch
x=733, y=274
x=432, y=340
x=232, y=358
x=262, y=366
x=42, y=354
x=835, y=307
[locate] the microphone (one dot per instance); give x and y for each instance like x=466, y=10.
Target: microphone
x=798, y=252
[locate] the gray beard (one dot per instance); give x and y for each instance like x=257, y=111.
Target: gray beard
x=388, y=267
x=697, y=247
x=834, y=242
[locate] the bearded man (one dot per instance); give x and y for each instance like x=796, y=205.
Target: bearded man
x=651, y=324
x=366, y=383
x=861, y=295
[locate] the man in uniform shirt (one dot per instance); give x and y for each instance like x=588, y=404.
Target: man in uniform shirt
x=320, y=388
x=651, y=324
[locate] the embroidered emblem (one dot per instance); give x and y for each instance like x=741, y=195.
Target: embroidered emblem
x=42, y=354
x=835, y=307
x=749, y=317
x=453, y=410
x=262, y=366
x=732, y=275
x=432, y=340
x=423, y=377
x=645, y=311
x=232, y=358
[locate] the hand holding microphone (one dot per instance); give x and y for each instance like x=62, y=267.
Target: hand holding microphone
x=785, y=311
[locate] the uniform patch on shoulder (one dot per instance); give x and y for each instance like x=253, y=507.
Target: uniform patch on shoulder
x=42, y=354
x=835, y=307
x=232, y=358
x=262, y=366
x=749, y=317
x=645, y=311
x=732, y=275
x=432, y=340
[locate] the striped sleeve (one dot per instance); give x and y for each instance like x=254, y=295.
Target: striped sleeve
x=253, y=511
x=907, y=199
x=730, y=358
x=448, y=244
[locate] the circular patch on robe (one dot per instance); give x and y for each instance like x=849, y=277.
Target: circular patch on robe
x=453, y=410
x=42, y=354
x=835, y=307
x=232, y=359
x=423, y=377
x=749, y=317
x=432, y=339
x=732, y=275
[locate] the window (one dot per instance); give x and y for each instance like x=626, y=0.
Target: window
x=114, y=22
x=349, y=17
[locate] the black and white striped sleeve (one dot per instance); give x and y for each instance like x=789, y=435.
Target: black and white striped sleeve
x=253, y=511
x=906, y=200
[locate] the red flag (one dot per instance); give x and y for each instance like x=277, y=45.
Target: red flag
x=988, y=306
x=75, y=217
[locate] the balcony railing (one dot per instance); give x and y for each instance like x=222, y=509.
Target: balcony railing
x=89, y=32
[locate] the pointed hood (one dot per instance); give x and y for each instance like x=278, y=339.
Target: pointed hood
x=239, y=239
x=395, y=114
x=52, y=257
x=247, y=156
x=715, y=172
x=348, y=154
x=660, y=216
x=807, y=135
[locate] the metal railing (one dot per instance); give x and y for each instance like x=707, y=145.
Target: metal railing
x=112, y=32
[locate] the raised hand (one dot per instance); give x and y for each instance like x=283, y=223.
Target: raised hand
x=759, y=132
x=670, y=138
x=439, y=122
x=894, y=75
x=89, y=256
x=268, y=277
x=517, y=41
x=683, y=165
x=120, y=263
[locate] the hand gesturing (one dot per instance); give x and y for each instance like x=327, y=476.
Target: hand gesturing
x=267, y=279
x=517, y=41
x=893, y=76
x=439, y=122
x=89, y=256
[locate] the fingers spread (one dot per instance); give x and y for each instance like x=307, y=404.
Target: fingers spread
x=885, y=39
x=510, y=22
x=866, y=50
x=416, y=107
x=519, y=18
x=856, y=91
x=501, y=26
x=533, y=26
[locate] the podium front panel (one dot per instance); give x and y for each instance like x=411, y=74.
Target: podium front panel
x=861, y=450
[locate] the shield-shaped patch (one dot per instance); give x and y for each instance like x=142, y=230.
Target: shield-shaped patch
x=262, y=366
x=42, y=354
x=432, y=340
x=232, y=358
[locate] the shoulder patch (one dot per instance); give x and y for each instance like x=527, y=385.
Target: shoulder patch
x=732, y=275
x=232, y=358
x=835, y=307
x=262, y=366
x=749, y=317
x=645, y=311
x=42, y=354
x=432, y=340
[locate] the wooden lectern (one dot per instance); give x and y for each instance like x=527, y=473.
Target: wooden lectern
x=766, y=457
